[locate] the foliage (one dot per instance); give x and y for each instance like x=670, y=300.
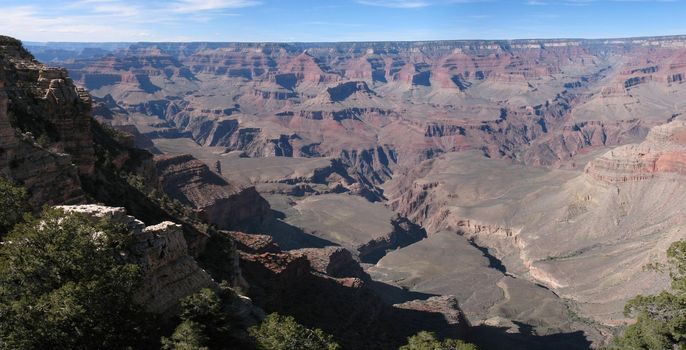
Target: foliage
x=203, y=323
x=429, y=341
x=43, y=140
x=213, y=258
x=660, y=319
x=188, y=335
x=63, y=285
x=278, y=332
x=14, y=202
x=135, y=181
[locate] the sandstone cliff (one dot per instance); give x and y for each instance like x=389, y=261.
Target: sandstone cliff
x=661, y=154
x=585, y=234
x=546, y=102
x=36, y=102
x=218, y=202
x=52, y=145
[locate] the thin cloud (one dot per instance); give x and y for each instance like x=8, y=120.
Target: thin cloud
x=29, y=23
x=414, y=4
x=588, y=2
x=330, y=24
x=107, y=7
x=188, y=6
x=401, y=4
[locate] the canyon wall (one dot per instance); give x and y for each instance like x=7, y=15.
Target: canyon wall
x=380, y=107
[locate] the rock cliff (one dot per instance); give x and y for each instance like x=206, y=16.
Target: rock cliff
x=663, y=153
x=545, y=102
x=586, y=235
x=521, y=147
x=169, y=271
x=218, y=202
x=51, y=145
x=285, y=282
x=38, y=104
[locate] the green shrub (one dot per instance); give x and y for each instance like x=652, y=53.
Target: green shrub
x=43, y=140
x=204, y=324
x=278, y=332
x=14, y=202
x=188, y=335
x=660, y=319
x=428, y=341
x=63, y=285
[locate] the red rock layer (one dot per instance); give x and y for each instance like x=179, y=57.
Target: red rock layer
x=663, y=153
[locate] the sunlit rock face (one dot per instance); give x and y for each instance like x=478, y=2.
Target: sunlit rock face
x=663, y=153
x=217, y=201
x=169, y=272
x=35, y=97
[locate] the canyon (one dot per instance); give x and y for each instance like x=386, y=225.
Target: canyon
x=513, y=191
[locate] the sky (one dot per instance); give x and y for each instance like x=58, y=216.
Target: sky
x=336, y=20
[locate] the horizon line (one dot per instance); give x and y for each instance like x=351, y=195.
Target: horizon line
x=657, y=37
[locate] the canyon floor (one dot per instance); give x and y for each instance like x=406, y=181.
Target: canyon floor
x=505, y=308
x=533, y=180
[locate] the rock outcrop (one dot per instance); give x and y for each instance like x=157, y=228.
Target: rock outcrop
x=218, y=202
x=50, y=144
x=31, y=98
x=169, y=272
x=663, y=153
x=447, y=306
x=333, y=261
x=285, y=282
x=254, y=243
x=404, y=233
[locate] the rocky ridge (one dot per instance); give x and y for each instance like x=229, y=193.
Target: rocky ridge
x=169, y=271
x=661, y=154
x=218, y=202
x=610, y=220
x=347, y=101
x=296, y=282
x=26, y=84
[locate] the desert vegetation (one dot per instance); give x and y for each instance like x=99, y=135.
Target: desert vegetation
x=63, y=285
x=660, y=318
x=429, y=341
x=13, y=201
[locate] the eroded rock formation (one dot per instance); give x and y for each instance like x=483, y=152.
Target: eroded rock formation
x=285, y=282
x=218, y=202
x=33, y=100
x=487, y=139
x=663, y=153
x=169, y=271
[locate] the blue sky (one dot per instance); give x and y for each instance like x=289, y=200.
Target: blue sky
x=336, y=20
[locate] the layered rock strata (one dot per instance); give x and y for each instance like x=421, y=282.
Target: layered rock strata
x=220, y=203
x=32, y=94
x=663, y=153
